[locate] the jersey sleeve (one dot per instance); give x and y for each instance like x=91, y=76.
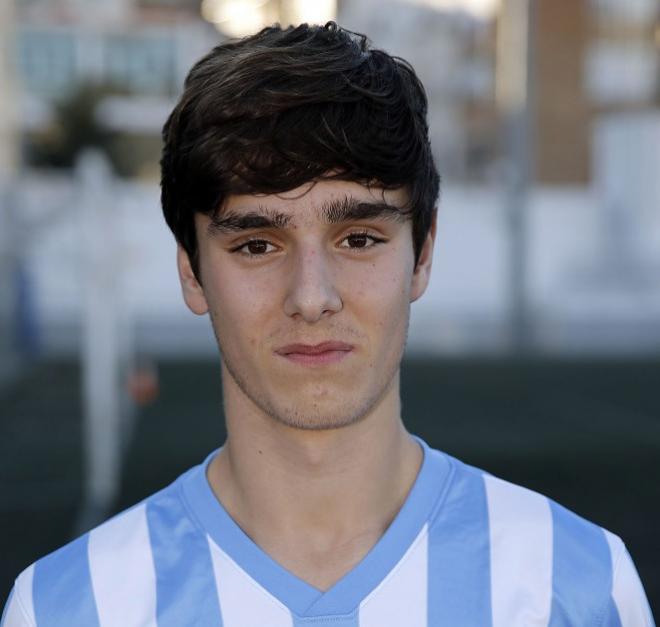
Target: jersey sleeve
x=19, y=609
x=629, y=606
x=15, y=614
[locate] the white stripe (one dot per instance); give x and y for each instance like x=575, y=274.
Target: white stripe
x=401, y=598
x=20, y=612
x=122, y=570
x=520, y=555
x=627, y=590
x=243, y=601
x=15, y=617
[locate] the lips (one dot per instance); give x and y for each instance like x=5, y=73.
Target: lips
x=316, y=349
x=315, y=355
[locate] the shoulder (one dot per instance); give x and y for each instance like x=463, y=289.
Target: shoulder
x=83, y=578
x=523, y=516
x=18, y=610
x=564, y=566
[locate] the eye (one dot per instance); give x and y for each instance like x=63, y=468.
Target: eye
x=254, y=248
x=360, y=241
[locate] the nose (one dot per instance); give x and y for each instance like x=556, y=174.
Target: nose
x=312, y=293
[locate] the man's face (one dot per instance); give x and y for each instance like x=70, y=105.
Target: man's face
x=309, y=295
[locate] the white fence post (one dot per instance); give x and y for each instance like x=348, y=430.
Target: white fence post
x=101, y=346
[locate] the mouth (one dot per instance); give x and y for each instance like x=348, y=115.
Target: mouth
x=317, y=354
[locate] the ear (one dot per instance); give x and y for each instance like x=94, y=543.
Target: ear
x=193, y=294
x=422, y=272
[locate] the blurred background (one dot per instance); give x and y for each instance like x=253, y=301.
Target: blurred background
x=535, y=354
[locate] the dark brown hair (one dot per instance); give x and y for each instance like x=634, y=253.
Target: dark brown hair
x=267, y=113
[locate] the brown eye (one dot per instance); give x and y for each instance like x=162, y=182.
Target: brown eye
x=361, y=241
x=257, y=247
x=358, y=240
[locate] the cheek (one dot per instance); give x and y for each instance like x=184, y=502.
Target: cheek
x=382, y=292
x=240, y=306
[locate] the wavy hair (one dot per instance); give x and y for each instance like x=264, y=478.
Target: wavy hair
x=270, y=112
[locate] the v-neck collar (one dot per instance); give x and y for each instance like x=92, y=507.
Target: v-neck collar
x=345, y=595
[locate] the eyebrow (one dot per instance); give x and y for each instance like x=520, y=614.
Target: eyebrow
x=334, y=211
x=348, y=209
x=262, y=218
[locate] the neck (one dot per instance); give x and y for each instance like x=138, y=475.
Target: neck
x=328, y=487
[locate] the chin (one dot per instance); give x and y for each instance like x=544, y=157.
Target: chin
x=311, y=405
x=318, y=416
x=321, y=422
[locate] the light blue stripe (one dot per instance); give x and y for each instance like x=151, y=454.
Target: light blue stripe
x=426, y=492
x=345, y=595
x=612, y=618
x=294, y=593
x=62, y=587
x=7, y=604
x=582, y=570
x=459, y=554
x=350, y=620
x=186, y=593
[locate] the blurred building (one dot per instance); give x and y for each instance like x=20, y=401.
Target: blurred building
x=590, y=57
x=145, y=46
x=139, y=48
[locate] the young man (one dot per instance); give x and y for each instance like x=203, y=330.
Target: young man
x=299, y=183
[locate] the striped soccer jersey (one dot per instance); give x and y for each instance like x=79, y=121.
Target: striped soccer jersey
x=465, y=550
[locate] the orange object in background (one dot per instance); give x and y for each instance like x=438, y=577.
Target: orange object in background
x=142, y=384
